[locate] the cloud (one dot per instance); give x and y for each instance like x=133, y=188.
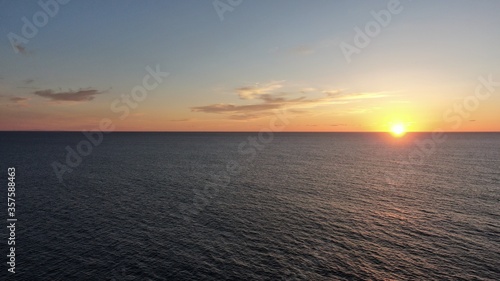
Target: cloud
x=269, y=102
x=81, y=95
x=21, y=102
x=308, y=90
x=181, y=120
x=333, y=93
x=231, y=108
x=21, y=49
x=342, y=95
x=248, y=116
x=16, y=101
x=302, y=50
x=28, y=82
x=252, y=92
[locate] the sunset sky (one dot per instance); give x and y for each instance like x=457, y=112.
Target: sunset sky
x=231, y=70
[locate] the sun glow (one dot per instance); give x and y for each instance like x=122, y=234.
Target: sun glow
x=398, y=130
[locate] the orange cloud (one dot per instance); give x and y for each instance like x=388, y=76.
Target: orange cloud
x=272, y=101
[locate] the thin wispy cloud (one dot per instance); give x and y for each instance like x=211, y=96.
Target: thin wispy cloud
x=225, y=108
x=270, y=101
x=21, y=49
x=27, y=84
x=20, y=101
x=308, y=90
x=181, y=120
x=82, y=95
x=15, y=101
x=342, y=95
x=302, y=50
x=252, y=92
x=28, y=81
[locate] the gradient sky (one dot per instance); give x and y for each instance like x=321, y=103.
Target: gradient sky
x=232, y=74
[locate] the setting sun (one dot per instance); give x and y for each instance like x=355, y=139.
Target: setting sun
x=398, y=130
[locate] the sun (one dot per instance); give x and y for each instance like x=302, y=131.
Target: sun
x=398, y=130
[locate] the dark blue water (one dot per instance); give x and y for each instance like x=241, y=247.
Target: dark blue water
x=220, y=206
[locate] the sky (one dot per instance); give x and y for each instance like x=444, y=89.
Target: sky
x=240, y=65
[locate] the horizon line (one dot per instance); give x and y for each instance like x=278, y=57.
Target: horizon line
x=355, y=132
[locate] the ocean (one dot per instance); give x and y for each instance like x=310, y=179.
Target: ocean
x=250, y=206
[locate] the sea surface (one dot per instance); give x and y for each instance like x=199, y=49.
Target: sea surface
x=244, y=206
